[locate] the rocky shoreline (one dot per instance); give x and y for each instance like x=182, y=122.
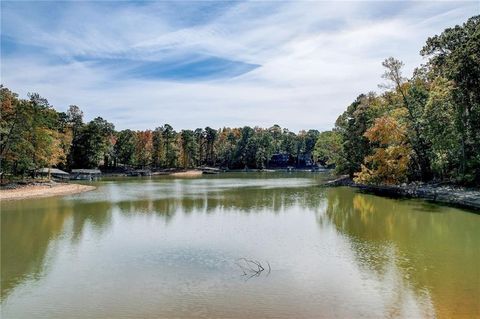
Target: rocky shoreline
x=445, y=194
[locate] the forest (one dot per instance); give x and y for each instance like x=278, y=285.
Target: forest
x=34, y=135
x=422, y=128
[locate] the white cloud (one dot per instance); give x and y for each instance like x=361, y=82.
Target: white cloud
x=314, y=57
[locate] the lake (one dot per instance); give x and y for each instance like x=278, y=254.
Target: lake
x=173, y=248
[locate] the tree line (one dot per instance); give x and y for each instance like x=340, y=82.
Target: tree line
x=35, y=135
x=422, y=128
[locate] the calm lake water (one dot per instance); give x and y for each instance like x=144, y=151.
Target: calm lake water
x=169, y=248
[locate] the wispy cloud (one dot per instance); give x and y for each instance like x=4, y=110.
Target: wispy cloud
x=193, y=64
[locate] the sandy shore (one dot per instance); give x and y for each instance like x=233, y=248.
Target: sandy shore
x=189, y=173
x=35, y=191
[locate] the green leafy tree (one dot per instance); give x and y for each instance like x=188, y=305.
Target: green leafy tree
x=125, y=147
x=276, y=134
x=158, y=149
x=264, y=148
x=16, y=118
x=245, y=152
x=439, y=118
x=94, y=142
x=455, y=55
x=289, y=143
x=75, y=121
x=351, y=126
x=169, y=137
x=226, y=145
x=210, y=137
x=413, y=97
x=188, y=148
x=327, y=148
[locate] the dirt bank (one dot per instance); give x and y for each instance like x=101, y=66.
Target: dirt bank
x=43, y=190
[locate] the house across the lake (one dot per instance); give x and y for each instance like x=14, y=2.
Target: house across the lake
x=286, y=160
x=283, y=160
x=305, y=160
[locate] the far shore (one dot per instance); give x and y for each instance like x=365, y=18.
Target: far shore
x=45, y=190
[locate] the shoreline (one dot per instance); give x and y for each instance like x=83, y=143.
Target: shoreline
x=187, y=173
x=447, y=195
x=41, y=191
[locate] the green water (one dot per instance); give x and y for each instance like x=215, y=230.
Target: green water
x=168, y=248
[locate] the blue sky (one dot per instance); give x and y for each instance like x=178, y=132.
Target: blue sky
x=141, y=64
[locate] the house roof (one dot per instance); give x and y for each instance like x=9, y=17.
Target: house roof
x=56, y=171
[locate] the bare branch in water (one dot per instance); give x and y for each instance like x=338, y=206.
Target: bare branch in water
x=252, y=268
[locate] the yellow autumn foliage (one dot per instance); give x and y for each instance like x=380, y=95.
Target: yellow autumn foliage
x=389, y=162
x=50, y=147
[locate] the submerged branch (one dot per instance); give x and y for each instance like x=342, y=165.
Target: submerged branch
x=252, y=268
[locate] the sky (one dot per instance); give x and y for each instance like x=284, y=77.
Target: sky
x=141, y=64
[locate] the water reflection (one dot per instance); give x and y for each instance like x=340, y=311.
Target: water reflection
x=25, y=238
x=424, y=248
x=413, y=258
x=249, y=200
x=29, y=230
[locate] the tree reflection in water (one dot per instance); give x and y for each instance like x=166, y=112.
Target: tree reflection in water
x=432, y=253
x=31, y=228
x=420, y=253
x=29, y=231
